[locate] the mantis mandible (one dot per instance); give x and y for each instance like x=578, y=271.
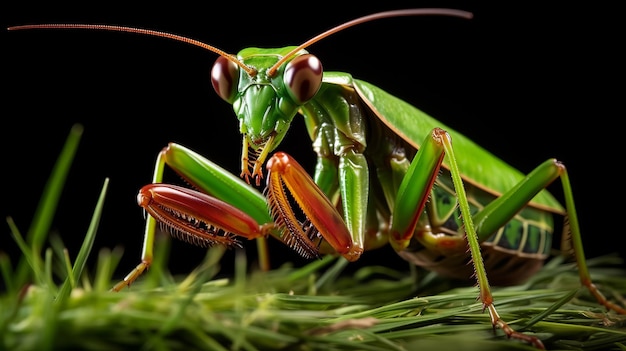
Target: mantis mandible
x=386, y=173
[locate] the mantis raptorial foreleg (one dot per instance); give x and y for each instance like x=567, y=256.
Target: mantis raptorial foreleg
x=248, y=208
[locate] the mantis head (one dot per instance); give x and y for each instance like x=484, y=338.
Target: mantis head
x=265, y=100
x=265, y=86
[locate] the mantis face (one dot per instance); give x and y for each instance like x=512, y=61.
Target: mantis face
x=265, y=100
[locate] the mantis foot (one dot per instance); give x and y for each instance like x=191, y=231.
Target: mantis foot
x=132, y=276
x=496, y=321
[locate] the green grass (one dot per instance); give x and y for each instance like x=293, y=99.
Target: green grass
x=54, y=302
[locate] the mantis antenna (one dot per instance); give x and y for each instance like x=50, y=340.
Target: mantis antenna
x=251, y=71
x=368, y=18
x=150, y=32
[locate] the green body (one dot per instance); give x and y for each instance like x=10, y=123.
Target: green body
x=366, y=141
x=390, y=174
x=383, y=128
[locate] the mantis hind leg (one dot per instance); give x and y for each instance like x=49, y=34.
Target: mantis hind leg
x=585, y=277
x=412, y=195
x=501, y=210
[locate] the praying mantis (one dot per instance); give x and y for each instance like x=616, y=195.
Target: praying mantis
x=386, y=173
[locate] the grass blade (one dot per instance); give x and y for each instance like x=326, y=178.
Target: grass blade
x=38, y=231
x=85, y=248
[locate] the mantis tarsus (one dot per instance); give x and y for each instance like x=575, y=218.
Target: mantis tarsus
x=368, y=165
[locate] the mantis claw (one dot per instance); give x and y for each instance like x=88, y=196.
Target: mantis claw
x=254, y=158
x=323, y=219
x=198, y=218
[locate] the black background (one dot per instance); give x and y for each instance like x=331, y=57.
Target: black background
x=528, y=82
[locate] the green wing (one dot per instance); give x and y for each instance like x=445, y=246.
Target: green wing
x=479, y=167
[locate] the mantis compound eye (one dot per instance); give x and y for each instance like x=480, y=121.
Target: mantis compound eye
x=224, y=78
x=303, y=78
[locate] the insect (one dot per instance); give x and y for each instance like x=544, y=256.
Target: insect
x=386, y=173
